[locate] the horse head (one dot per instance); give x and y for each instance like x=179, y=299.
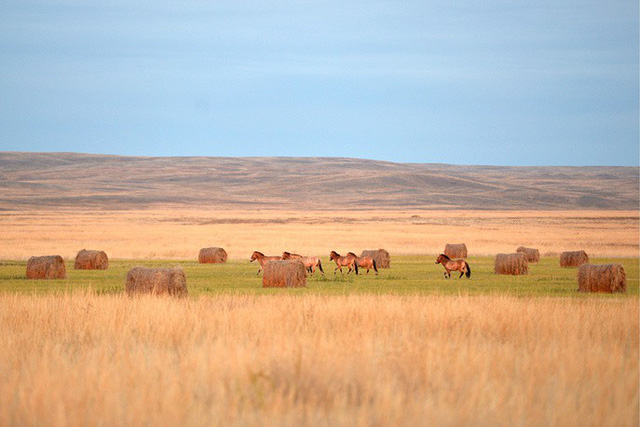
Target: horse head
x=442, y=258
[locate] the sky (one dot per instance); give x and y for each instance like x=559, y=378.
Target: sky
x=503, y=82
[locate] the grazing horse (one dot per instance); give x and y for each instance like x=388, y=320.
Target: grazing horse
x=344, y=261
x=365, y=262
x=310, y=262
x=454, y=265
x=262, y=259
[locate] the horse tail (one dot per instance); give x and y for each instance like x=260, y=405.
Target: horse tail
x=320, y=265
x=468, y=269
x=374, y=265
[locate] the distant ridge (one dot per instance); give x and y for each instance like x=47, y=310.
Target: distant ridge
x=87, y=181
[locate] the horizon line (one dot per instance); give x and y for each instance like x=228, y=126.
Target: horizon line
x=152, y=156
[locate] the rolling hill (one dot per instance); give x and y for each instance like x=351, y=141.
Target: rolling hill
x=86, y=181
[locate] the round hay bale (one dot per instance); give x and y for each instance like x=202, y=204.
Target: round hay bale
x=284, y=274
x=380, y=256
x=455, y=250
x=156, y=281
x=46, y=267
x=533, y=255
x=513, y=264
x=91, y=260
x=212, y=256
x=602, y=278
x=573, y=259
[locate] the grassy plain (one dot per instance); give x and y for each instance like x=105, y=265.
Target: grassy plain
x=407, y=347
x=179, y=234
x=408, y=275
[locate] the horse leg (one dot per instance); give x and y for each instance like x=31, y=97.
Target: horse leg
x=461, y=273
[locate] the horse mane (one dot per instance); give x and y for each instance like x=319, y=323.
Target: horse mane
x=446, y=257
x=351, y=253
x=285, y=253
x=259, y=253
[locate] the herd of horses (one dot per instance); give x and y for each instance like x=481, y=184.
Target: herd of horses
x=311, y=263
x=353, y=262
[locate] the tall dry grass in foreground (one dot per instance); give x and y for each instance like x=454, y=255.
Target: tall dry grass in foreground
x=286, y=360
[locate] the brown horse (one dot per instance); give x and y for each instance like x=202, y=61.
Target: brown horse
x=287, y=255
x=454, y=265
x=344, y=261
x=310, y=262
x=262, y=259
x=365, y=262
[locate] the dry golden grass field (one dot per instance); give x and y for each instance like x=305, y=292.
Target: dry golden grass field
x=179, y=234
x=82, y=359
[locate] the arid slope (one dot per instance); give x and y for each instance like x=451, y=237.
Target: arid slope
x=70, y=180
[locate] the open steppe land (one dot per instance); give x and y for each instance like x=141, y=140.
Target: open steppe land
x=407, y=347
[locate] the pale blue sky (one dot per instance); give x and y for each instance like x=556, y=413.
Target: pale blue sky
x=467, y=82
